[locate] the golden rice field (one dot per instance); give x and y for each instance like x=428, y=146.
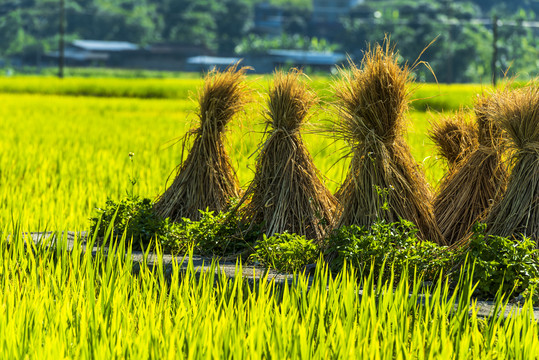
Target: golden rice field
x=62, y=155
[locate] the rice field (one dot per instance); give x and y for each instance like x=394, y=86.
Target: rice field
x=60, y=304
x=64, y=148
x=63, y=155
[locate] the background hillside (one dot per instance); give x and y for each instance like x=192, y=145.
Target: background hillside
x=463, y=52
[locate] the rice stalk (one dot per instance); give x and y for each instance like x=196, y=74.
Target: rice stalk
x=455, y=137
x=206, y=179
x=384, y=183
x=517, y=212
x=287, y=193
x=468, y=191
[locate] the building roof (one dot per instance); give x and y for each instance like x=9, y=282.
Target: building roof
x=212, y=60
x=79, y=55
x=109, y=46
x=307, y=57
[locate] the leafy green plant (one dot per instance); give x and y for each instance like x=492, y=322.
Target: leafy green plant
x=214, y=234
x=385, y=245
x=134, y=217
x=501, y=262
x=285, y=252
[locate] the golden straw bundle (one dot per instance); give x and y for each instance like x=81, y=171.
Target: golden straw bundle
x=206, y=180
x=286, y=193
x=384, y=182
x=517, y=213
x=455, y=137
x=467, y=192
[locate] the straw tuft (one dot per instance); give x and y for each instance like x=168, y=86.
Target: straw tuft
x=287, y=193
x=468, y=191
x=517, y=113
x=455, y=137
x=384, y=182
x=206, y=180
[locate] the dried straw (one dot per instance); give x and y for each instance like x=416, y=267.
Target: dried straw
x=384, y=182
x=286, y=193
x=206, y=180
x=467, y=192
x=517, y=213
x=455, y=137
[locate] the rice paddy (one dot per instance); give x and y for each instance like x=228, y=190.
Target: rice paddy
x=63, y=154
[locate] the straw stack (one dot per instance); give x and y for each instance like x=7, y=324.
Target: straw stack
x=517, y=213
x=206, y=180
x=468, y=191
x=384, y=182
x=455, y=138
x=286, y=193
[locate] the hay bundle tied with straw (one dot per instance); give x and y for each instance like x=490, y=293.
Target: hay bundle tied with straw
x=287, y=193
x=455, y=137
x=384, y=183
x=517, y=212
x=206, y=180
x=467, y=192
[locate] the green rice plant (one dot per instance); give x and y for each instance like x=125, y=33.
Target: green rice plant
x=62, y=156
x=100, y=87
x=444, y=97
x=64, y=304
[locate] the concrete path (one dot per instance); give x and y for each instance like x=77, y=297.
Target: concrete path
x=251, y=273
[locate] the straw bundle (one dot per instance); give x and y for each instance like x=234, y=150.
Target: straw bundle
x=467, y=192
x=286, y=193
x=206, y=180
x=517, y=213
x=384, y=182
x=455, y=137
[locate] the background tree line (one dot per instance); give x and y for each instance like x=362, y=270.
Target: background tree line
x=461, y=53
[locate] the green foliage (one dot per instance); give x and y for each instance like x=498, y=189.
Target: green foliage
x=285, y=252
x=219, y=234
x=74, y=304
x=134, y=217
x=510, y=264
x=387, y=245
x=214, y=234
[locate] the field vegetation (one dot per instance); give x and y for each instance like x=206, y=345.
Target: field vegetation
x=60, y=304
x=68, y=147
x=62, y=153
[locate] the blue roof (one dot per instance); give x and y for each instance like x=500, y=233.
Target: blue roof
x=212, y=60
x=308, y=57
x=98, y=45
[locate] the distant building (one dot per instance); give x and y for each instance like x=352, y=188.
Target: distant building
x=207, y=63
x=268, y=19
x=161, y=56
x=330, y=11
x=326, y=16
x=282, y=58
x=91, y=52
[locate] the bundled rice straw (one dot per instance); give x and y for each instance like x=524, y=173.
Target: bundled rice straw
x=455, y=137
x=384, y=182
x=286, y=193
x=206, y=179
x=467, y=192
x=517, y=213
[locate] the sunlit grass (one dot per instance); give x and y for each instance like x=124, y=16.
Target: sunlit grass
x=62, y=155
x=60, y=304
